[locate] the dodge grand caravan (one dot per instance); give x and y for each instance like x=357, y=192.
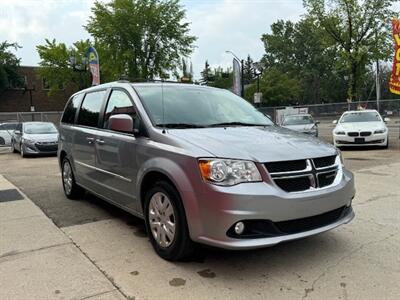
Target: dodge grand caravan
x=200, y=165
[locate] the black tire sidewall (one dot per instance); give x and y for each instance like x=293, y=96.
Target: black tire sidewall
x=181, y=241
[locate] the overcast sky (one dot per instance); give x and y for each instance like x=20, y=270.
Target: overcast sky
x=220, y=25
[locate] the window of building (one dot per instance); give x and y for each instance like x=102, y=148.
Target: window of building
x=90, y=109
x=119, y=103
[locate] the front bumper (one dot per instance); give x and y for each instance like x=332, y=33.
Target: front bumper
x=37, y=149
x=222, y=207
x=372, y=140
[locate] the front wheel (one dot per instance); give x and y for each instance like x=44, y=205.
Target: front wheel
x=21, y=151
x=13, y=147
x=387, y=144
x=166, y=223
x=71, y=189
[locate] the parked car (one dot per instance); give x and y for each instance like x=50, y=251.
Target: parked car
x=200, y=165
x=33, y=138
x=6, y=130
x=303, y=123
x=361, y=128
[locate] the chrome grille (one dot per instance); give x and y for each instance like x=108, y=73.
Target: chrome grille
x=315, y=173
x=365, y=133
x=352, y=133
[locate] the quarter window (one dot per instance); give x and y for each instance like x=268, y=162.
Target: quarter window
x=70, y=110
x=90, y=109
x=119, y=103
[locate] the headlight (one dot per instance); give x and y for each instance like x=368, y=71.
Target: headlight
x=383, y=130
x=28, y=141
x=228, y=171
x=340, y=132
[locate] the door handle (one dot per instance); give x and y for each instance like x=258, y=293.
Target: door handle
x=100, y=141
x=90, y=140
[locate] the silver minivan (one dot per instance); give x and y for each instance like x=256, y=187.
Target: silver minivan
x=200, y=165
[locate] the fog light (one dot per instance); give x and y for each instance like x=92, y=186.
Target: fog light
x=239, y=227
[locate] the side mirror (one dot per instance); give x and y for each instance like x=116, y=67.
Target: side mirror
x=334, y=122
x=317, y=122
x=386, y=120
x=121, y=122
x=17, y=132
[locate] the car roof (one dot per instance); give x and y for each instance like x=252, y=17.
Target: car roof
x=360, y=111
x=37, y=122
x=301, y=115
x=125, y=83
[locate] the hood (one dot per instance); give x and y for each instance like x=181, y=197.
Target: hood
x=361, y=126
x=48, y=137
x=302, y=127
x=262, y=144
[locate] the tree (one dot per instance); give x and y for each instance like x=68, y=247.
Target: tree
x=302, y=50
x=277, y=88
x=248, y=70
x=206, y=74
x=9, y=64
x=56, y=66
x=141, y=39
x=360, y=29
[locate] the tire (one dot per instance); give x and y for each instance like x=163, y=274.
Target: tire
x=71, y=189
x=387, y=144
x=13, y=147
x=2, y=142
x=180, y=246
x=21, y=151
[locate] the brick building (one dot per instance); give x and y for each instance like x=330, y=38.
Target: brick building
x=19, y=100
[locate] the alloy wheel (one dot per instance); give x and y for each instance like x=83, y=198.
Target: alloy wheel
x=67, y=178
x=162, y=219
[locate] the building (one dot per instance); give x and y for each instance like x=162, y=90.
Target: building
x=35, y=96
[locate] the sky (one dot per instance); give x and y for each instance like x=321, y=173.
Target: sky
x=219, y=25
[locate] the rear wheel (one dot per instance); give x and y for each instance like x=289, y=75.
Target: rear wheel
x=71, y=189
x=166, y=223
x=2, y=141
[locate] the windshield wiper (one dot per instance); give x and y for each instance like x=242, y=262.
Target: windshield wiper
x=180, y=125
x=236, y=124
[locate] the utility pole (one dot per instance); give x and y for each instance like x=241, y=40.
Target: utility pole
x=378, y=86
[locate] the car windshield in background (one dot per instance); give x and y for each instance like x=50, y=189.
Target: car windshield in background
x=298, y=120
x=40, y=128
x=196, y=107
x=361, y=117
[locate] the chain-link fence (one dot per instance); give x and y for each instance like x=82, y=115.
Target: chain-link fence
x=48, y=116
x=332, y=111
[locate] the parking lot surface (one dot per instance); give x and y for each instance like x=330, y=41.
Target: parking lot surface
x=357, y=261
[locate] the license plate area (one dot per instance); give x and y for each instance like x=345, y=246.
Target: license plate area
x=359, y=140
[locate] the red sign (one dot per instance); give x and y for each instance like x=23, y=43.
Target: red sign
x=394, y=83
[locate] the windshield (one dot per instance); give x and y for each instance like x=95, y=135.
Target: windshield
x=40, y=128
x=361, y=117
x=298, y=120
x=198, y=107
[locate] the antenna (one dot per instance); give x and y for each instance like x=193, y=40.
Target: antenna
x=163, y=107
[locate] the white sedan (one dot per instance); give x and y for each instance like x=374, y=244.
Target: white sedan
x=361, y=128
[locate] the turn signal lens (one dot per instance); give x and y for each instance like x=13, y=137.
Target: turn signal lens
x=228, y=172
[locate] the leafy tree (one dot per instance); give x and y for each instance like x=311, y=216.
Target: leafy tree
x=141, y=39
x=222, y=79
x=360, y=29
x=56, y=65
x=302, y=50
x=277, y=88
x=8, y=66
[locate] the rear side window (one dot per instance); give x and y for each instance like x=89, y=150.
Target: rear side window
x=90, y=109
x=70, y=110
x=119, y=103
x=8, y=126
